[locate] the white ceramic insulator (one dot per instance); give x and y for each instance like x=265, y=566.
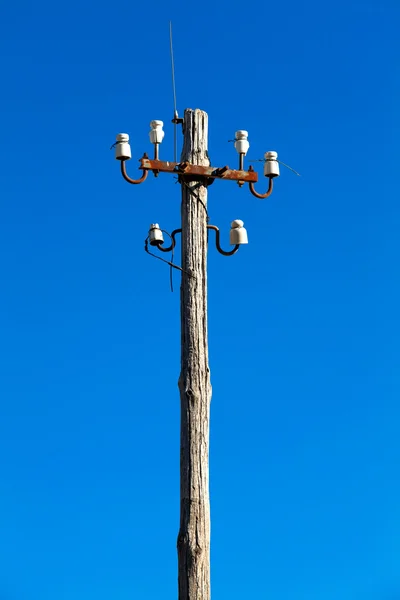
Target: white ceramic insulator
x=155, y=234
x=242, y=144
x=271, y=166
x=156, y=133
x=238, y=233
x=237, y=223
x=122, y=147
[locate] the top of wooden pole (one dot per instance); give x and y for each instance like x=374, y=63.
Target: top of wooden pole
x=195, y=129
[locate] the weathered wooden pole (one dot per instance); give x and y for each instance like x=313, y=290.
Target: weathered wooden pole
x=194, y=382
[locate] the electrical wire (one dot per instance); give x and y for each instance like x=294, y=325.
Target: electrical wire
x=171, y=283
x=192, y=191
x=263, y=160
x=171, y=263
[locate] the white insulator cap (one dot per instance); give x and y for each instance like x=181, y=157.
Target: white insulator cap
x=156, y=132
x=155, y=235
x=122, y=147
x=271, y=166
x=242, y=144
x=238, y=233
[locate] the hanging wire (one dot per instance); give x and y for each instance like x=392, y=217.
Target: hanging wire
x=192, y=191
x=287, y=166
x=171, y=282
x=171, y=263
x=263, y=160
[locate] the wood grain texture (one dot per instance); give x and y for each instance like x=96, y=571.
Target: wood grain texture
x=194, y=382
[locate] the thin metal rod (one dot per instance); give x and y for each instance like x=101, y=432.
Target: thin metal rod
x=173, y=88
x=128, y=179
x=172, y=65
x=173, y=242
x=235, y=249
x=156, y=157
x=175, y=139
x=241, y=163
x=268, y=192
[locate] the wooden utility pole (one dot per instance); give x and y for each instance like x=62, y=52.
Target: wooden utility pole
x=194, y=382
x=195, y=173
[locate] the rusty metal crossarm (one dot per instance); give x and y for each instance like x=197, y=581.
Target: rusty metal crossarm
x=187, y=169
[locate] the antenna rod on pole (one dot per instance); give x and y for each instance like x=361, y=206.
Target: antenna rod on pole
x=175, y=119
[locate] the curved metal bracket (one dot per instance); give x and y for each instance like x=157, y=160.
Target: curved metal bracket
x=235, y=249
x=128, y=179
x=268, y=192
x=160, y=247
x=173, y=242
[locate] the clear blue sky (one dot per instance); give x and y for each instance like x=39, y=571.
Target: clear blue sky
x=304, y=321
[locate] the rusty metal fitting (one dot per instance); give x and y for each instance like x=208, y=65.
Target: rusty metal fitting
x=256, y=194
x=128, y=179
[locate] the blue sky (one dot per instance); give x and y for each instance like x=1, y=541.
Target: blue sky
x=304, y=321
